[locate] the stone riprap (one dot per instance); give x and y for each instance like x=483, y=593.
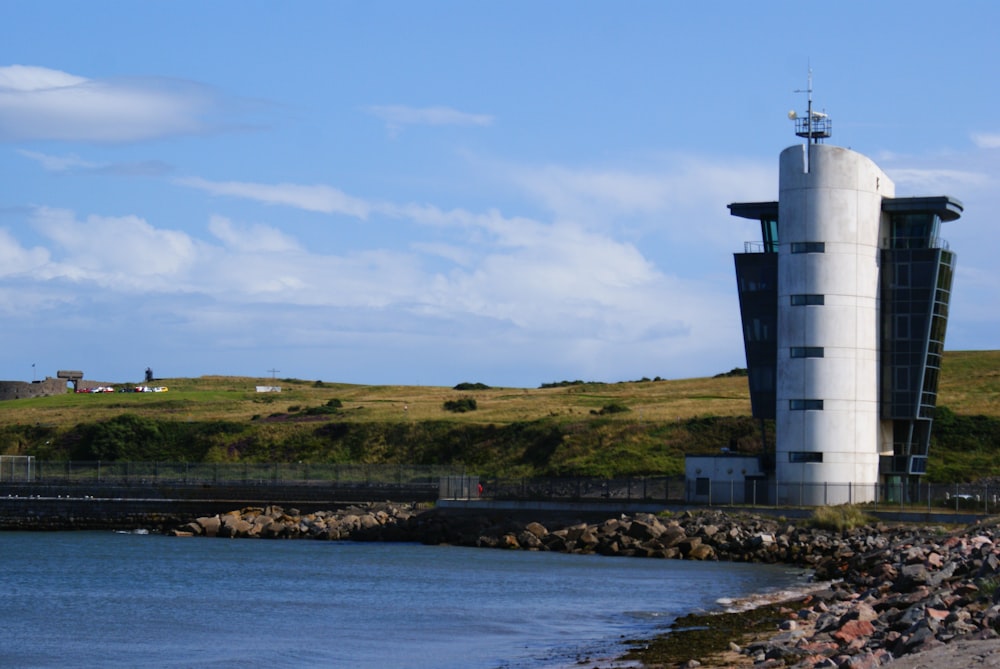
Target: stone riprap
x=889, y=591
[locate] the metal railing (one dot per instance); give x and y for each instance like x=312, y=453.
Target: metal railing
x=665, y=489
x=296, y=473
x=455, y=483
x=970, y=497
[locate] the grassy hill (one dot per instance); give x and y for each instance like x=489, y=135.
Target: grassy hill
x=635, y=427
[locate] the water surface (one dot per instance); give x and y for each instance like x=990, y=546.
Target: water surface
x=103, y=599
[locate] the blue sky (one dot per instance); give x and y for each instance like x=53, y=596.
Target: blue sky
x=434, y=192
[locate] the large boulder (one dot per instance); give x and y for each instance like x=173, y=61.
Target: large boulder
x=209, y=525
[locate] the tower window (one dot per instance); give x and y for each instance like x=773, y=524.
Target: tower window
x=806, y=352
x=805, y=405
x=808, y=247
x=805, y=456
x=801, y=300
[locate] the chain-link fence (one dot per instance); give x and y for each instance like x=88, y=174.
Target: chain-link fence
x=130, y=473
x=665, y=489
x=971, y=497
x=454, y=483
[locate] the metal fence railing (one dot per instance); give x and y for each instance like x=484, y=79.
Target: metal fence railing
x=284, y=473
x=454, y=483
x=665, y=489
x=971, y=497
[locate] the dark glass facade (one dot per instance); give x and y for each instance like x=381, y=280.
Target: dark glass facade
x=915, y=293
x=757, y=277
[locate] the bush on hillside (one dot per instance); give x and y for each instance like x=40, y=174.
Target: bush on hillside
x=461, y=405
x=562, y=384
x=607, y=409
x=735, y=371
x=471, y=386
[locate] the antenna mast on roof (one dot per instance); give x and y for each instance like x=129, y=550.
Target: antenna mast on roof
x=815, y=126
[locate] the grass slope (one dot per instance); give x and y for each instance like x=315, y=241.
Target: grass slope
x=641, y=427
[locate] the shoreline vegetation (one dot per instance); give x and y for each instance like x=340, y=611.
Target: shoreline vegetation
x=881, y=593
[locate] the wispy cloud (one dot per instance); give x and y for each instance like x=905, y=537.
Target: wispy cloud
x=74, y=163
x=59, y=163
x=676, y=181
x=319, y=198
x=396, y=117
x=251, y=238
x=987, y=140
x=41, y=103
x=935, y=180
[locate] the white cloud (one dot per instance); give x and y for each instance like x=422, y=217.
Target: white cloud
x=15, y=259
x=986, y=140
x=678, y=182
x=319, y=198
x=74, y=163
x=398, y=116
x=545, y=278
x=59, y=163
x=40, y=103
x=30, y=78
x=122, y=252
x=251, y=238
x=567, y=293
x=937, y=180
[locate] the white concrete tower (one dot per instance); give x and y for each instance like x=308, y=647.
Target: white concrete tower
x=844, y=303
x=827, y=421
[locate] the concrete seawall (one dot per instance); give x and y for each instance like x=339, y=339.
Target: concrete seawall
x=109, y=506
x=152, y=506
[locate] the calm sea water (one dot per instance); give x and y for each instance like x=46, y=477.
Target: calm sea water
x=102, y=599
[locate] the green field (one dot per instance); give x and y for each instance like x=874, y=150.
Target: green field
x=628, y=428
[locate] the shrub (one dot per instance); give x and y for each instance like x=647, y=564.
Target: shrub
x=562, y=384
x=323, y=410
x=460, y=405
x=839, y=518
x=607, y=409
x=471, y=386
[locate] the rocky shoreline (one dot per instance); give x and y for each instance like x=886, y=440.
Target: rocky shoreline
x=885, y=593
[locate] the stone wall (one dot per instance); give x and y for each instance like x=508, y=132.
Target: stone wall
x=14, y=390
